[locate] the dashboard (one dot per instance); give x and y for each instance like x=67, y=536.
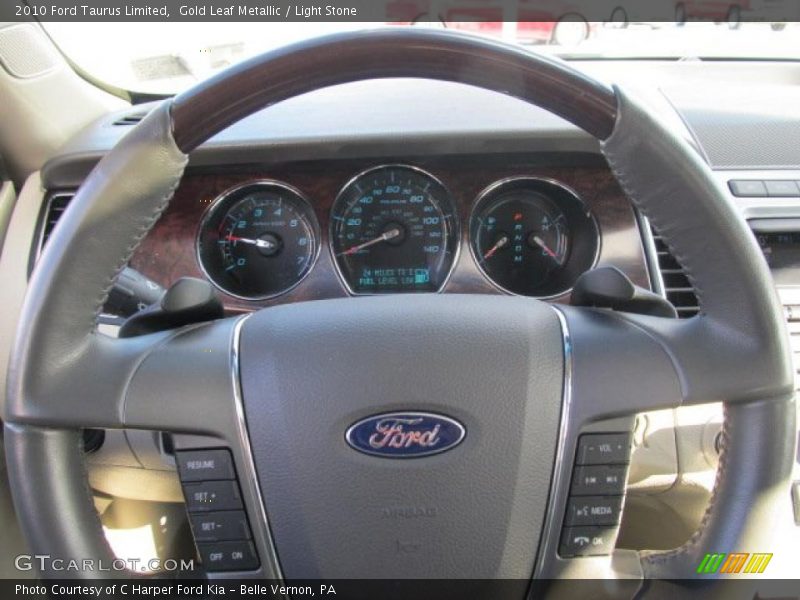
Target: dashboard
x=467, y=162
x=501, y=224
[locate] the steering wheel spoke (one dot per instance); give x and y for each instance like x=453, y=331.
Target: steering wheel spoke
x=616, y=367
x=187, y=384
x=169, y=381
x=625, y=363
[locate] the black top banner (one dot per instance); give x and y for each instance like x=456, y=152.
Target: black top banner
x=401, y=11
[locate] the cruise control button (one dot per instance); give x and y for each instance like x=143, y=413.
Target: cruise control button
x=229, y=556
x=206, y=496
x=598, y=481
x=594, y=510
x=782, y=188
x=205, y=465
x=220, y=526
x=604, y=449
x=588, y=541
x=744, y=188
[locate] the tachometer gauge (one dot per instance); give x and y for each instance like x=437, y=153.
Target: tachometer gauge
x=532, y=237
x=258, y=240
x=393, y=230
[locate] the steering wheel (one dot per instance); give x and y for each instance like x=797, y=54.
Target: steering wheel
x=281, y=387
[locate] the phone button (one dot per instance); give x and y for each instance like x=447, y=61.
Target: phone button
x=587, y=541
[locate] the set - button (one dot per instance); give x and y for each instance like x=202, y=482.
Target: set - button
x=216, y=511
x=220, y=526
x=596, y=496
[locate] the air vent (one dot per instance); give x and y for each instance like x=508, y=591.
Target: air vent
x=677, y=288
x=55, y=208
x=131, y=118
x=792, y=312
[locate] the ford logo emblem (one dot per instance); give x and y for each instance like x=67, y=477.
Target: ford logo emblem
x=405, y=434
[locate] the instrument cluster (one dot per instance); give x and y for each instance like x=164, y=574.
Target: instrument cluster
x=395, y=229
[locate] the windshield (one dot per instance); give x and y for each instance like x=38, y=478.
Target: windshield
x=164, y=58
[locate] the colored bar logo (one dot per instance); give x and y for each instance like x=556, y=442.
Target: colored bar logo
x=735, y=562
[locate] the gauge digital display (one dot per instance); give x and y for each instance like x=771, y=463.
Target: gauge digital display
x=393, y=230
x=258, y=240
x=532, y=237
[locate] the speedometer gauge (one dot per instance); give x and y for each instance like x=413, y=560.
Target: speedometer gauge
x=258, y=240
x=393, y=230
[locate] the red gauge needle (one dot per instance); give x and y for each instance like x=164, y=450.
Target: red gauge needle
x=499, y=244
x=267, y=244
x=543, y=246
x=385, y=236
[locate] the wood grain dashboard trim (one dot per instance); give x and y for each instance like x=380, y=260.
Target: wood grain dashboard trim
x=168, y=252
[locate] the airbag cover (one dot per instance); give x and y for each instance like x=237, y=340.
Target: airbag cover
x=493, y=364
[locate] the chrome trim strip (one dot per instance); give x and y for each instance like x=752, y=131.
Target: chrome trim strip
x=552, y=527
x=247, y=451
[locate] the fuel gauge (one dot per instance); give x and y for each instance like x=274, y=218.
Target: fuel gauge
x=521, y=234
